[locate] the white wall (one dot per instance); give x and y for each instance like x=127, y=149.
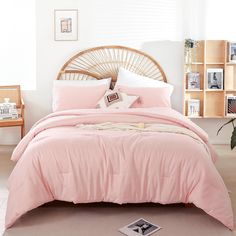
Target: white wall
x=51, y=55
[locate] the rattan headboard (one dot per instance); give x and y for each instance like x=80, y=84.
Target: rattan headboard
x=104, y=62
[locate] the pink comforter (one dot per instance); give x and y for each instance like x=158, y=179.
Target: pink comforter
x=57, y=161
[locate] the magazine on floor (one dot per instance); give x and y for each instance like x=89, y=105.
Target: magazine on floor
x=140, y=227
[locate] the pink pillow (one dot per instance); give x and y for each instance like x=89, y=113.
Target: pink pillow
x=149, y=97
x=68, y=97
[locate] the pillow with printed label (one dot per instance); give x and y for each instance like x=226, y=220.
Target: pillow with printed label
x=116, y=99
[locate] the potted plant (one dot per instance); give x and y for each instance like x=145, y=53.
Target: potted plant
x=233, y=137
x=190, y=46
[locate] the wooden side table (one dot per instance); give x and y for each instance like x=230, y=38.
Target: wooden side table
x=14, y=93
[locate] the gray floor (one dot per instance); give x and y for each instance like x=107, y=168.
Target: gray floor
x=104, y=219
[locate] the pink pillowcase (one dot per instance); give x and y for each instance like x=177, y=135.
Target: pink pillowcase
x=148, y=97
x=68, y=97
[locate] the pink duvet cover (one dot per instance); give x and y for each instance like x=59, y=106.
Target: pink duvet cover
x=58, y=161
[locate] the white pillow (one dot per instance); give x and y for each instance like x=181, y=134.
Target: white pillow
x=116, y=99
x=130, y=79
x=87, y=83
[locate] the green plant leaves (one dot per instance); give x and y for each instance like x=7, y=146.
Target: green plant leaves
x=230, y=121
x=233, y=139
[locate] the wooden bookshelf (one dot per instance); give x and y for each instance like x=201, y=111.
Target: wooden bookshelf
x=211, y=54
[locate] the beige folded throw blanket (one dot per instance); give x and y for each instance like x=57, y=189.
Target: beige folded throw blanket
x=142, y=127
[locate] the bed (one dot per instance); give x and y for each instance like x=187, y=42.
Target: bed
x=146, y=153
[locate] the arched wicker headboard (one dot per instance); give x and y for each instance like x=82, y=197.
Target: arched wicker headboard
x=104, y=62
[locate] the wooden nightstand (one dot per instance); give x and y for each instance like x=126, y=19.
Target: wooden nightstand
x=14, y=93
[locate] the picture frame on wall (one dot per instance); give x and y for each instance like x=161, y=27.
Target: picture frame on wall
x=66, y=25
x=215, y=78
x=232, y=52
x=193, y=80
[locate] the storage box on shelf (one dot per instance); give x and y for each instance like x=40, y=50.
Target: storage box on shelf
x=212, y=58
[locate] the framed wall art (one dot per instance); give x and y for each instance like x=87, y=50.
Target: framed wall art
x=66, y=25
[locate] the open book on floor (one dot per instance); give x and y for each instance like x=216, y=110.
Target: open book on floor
x=139, y=227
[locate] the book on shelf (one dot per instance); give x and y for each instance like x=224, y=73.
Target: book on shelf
x=8, y=111
x=193, y=81
x=215, y=78
x=230, y=105
x=194, y=107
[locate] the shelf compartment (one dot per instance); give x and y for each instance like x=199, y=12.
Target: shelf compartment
x=230, y=74
x=208, y=80
x=214, y=104
x=194, y=69
x=199, y=57
x=194, y=95
x=215, y=51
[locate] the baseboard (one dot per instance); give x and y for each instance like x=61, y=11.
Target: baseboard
x=217, y=142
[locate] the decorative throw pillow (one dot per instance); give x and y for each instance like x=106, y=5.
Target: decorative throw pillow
x=116, y=99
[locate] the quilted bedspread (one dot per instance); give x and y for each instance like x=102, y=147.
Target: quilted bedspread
x=62, y=159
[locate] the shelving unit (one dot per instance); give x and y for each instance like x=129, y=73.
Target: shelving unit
x=211, y=54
